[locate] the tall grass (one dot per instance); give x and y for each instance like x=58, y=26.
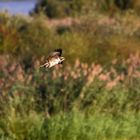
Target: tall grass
x=70, y=102
x=96, y=96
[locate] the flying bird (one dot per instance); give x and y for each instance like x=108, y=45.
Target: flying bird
x=54, y=58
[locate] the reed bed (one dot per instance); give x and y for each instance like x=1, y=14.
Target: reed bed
x=80, y=101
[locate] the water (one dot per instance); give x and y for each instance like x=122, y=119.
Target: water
x=17, y=7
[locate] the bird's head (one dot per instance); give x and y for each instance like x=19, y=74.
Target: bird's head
x=62, y=59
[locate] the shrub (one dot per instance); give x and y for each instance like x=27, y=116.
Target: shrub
x=58, y=8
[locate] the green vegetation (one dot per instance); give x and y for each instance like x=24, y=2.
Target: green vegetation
x=105, y=37
x=64, y=8
x=70, y=103
x=94, y=95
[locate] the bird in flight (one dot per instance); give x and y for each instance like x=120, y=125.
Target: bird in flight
x=54, y=58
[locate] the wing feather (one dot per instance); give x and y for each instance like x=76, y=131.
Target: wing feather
x=57, y=52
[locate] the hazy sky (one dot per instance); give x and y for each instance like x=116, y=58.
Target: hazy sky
x=17, y=6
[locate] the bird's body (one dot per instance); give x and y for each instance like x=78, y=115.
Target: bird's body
x=54, y=59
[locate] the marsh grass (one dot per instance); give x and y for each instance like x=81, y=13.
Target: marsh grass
x=71, y=102
x=69, y=125
x=96, y=96
x=100, y=126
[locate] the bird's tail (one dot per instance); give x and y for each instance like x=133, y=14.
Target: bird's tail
x=45, y=65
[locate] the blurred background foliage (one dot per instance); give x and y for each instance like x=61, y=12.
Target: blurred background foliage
x=95, y=94
x=96, y=37
x=64, y=8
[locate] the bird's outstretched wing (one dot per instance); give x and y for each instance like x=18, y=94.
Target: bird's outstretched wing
x=55, y=53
